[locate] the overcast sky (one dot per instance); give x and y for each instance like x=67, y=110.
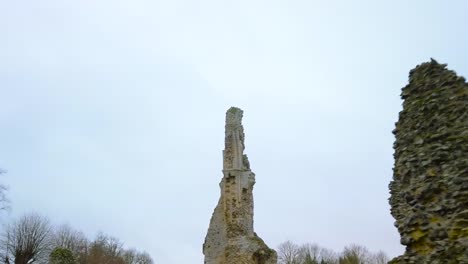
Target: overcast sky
x=112, y=113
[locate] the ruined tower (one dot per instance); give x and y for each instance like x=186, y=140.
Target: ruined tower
x=231, y=238
x=429, y=191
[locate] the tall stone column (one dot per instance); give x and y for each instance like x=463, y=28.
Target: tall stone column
x=231, y=238
x=429, y=191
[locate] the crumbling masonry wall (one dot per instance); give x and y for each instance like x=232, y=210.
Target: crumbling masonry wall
x=429, y=191
x=231, y=238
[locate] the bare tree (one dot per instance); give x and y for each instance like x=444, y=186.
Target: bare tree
x=309, y=253
x=30, y=240
x=109, y=250
x=288, y=253
x=114, y=248
x=106, y=250
x=380, y=258
x=26, y=240
x=130, y=256
x=4, y=202
x=328, y=256
x=143, y=258
x=66, y=237
x=355, y=254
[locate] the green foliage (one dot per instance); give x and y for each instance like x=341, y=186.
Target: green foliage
x=61, y=256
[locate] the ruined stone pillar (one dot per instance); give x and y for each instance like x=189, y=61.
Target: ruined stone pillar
x=429, y=191
x=231, y=238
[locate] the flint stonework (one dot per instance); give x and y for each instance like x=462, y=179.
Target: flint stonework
x=231, y=238
x=429, y=191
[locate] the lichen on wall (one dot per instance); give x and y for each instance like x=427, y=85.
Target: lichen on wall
x=429, y=190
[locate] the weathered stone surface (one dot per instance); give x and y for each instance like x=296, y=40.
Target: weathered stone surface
x=231, y=238
x=429, y=191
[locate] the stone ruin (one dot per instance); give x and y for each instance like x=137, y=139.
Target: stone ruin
x=429, y=191
x=231, y=238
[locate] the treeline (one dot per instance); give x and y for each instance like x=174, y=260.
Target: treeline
x=33, y=239
x=291, y=253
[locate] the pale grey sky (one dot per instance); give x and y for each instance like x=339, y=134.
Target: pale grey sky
x=112, y=113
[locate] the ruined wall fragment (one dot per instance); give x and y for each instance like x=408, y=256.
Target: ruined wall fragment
x=231, y=238
x=429, y=191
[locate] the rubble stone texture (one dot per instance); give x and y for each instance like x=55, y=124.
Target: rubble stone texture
x=429, y=191
x=231, y=238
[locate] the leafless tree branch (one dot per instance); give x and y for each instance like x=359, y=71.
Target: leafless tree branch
x=4, y=202
x=26, y=240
